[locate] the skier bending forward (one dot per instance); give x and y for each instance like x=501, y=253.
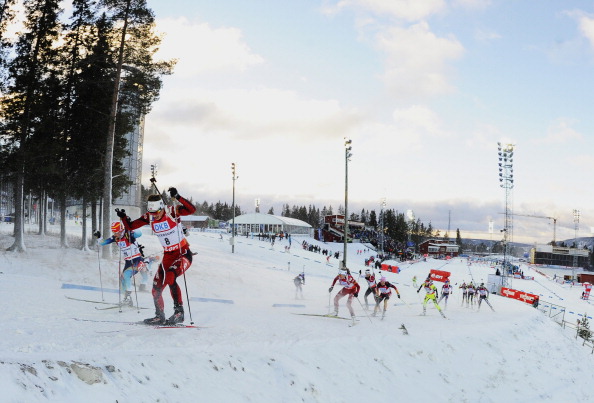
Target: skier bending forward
x=177, y=257
x=350, y=288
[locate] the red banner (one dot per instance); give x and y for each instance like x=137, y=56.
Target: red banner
x=439, y=275
x=390, y=268
x=519, y=295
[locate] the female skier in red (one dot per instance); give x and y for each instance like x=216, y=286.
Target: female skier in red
x=351, y=288
x=177, y=257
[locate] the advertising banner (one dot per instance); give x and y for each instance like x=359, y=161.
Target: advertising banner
x=439, y=275
x=390, y=268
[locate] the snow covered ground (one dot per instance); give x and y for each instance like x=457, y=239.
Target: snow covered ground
x=252, y=348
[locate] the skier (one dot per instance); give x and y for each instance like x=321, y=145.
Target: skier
x=471, y=292
x=446, y=290
x=464, y=288
x=132, y=253
x=431, y=294
x=177, y=257
x=414, y=281
x=483, y=295
x=370, y=278
x=350, y=288
x=299, y=281
x=383, y=293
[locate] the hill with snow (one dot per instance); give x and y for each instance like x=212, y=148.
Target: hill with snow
x=251, y=347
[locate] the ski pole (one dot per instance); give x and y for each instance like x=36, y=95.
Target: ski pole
x=357, y=298
x=135, y=292
x=99, y=261
x=120, y=281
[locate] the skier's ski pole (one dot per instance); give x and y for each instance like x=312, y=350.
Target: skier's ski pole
x=364, y=311
x=405, y=303
x=120, y=281
x=135, y=292
x=99, y=261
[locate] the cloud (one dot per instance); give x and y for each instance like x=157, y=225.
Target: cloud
x=585, y=26
x=201, y=48
x=416, y=60
x=418, y=119
x=257, y=114
x=561, y=132
x=483, y=35
x=409, y=10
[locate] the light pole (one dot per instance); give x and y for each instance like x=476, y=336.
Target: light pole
x=382, y=207
x=233, y=209
x=491, y=228
x=257, y=202
x=576, y=221
x=506, y=181
x=411, y=218
x=347, y=155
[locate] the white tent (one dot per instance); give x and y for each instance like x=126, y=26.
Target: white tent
x=267, y=223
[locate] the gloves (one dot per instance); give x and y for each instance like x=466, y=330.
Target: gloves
x=121, y=213
x=173, y=193
x=330, y=289
x=398, y=296
x=153, y=180
x=418, y=291
x=356, y=294
x=97, y=234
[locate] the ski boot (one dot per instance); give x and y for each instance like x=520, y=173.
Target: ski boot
x=159, y=319
x=177, y=317
x=128, y=299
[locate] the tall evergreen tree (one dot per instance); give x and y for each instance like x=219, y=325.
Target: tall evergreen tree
x=27, y=72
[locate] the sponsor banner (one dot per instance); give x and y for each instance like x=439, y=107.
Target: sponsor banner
x=519, y=295
x=390, y=269
x=439, y=275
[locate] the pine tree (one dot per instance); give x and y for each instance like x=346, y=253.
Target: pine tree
x=584, y=328
x=29, y=74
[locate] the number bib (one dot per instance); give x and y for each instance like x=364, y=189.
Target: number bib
x=169, y=235
x=129, y=250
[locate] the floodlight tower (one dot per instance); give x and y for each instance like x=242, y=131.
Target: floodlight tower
x=382, y=207
x=506, y=181
x=347, y=156
x=576, y=221
x=234, y=177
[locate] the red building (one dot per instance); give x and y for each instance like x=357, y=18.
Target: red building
x=439, y=248
x=333, y=229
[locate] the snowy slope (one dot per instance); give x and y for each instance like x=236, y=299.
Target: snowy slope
x=251, y=351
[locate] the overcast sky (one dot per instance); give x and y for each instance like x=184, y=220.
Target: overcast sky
x=424, y=88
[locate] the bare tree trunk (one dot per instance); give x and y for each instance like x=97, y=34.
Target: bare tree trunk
x=85, y=243
x=63, y=237
x=19, y=215
x=108, y=174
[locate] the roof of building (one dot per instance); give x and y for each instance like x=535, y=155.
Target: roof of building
x=261, y=218
x=195, y=218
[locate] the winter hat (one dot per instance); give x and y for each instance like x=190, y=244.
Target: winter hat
x=116, y=227
x=383, y=279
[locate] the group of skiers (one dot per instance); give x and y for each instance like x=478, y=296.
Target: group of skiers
x=382, y=291
x=165, y=222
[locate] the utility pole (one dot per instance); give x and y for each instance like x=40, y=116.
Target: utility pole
x=347, y=156
x=233, y=209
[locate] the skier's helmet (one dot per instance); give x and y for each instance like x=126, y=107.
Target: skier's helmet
x=116, y=227
x=154, y=203
x=343, y=272
x=367, y=271
x=383, y=280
